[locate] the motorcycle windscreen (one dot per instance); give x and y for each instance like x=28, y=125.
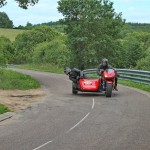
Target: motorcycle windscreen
x=89, y=85
x=109, y=73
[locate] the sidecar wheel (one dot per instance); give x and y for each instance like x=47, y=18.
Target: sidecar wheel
x=74, y=88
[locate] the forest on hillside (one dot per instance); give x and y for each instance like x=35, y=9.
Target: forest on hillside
x=80, y=44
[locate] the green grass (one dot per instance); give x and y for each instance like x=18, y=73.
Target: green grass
x=43, y=67
x=14, y=80
x=141, y=86
x=10, y=33
x=3, y=109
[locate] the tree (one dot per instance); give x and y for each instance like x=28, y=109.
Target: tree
x=22, y=3
x=92, y=28
x=5, y=22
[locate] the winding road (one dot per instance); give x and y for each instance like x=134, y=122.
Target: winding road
x=87, y=121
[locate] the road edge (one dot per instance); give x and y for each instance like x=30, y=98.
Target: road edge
x=6, y=115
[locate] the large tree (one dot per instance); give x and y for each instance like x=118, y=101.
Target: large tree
x=22, y=3
x=5, y=22
x=92, y=27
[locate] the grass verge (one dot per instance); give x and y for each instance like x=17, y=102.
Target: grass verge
x=42, y=67
x=3, y=109
x=141, y=86
x=13, y=80
x=10, y=80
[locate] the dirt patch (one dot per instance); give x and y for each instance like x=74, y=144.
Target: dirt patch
x=17, y=100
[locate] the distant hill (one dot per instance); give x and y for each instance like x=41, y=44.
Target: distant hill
x=128, y=28
x=138, y=27
x=56, y=25
x=142, y=25
x=10, y=33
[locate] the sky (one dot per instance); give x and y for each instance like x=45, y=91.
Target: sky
x=136, y=11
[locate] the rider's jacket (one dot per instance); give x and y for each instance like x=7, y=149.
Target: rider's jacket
x=74, y=74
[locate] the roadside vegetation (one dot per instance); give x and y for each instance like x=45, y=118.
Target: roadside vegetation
x=141, y=86
x=10, y=80
x=3, y=109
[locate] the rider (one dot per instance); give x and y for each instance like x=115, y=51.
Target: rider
x=103, y=66
x=73, y=74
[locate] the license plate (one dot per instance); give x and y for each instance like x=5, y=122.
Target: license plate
x=88, y=82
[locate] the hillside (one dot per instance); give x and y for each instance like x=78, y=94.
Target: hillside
x=10, y=33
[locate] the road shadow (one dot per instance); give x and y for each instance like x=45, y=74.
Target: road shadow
x=92, y=94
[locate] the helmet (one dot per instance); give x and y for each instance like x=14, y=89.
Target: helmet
x=105, y=62
x=67, y=70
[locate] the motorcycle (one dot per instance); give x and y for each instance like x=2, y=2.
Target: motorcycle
x=105, y=83
x=108, y=81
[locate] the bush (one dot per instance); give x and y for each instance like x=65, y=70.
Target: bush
x=27, y=41
x=144, y=63
x=54, y=52
x=6, y=51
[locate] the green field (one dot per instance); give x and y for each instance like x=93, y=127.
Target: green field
x=10, y=33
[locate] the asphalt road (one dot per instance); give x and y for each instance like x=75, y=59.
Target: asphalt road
x=86, y=121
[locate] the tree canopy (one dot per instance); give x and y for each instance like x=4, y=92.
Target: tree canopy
x=22, y=3
x=5, y=22
x=92, y=28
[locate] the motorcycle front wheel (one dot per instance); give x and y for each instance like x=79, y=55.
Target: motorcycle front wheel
x=108, y=91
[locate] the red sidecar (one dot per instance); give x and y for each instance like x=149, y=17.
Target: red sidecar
x=105, y=83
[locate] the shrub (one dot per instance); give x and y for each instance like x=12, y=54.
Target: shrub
x=6, y=51
x=144, y=63
x=27, y=41
x=54, y=52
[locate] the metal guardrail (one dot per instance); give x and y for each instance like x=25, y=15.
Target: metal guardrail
x=127, y=74
x=134, y=75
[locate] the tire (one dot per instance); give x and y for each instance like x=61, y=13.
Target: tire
x=109, y=88
x=74, y=88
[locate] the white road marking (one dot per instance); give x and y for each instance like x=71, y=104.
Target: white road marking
x=70, y=128
x=93, y=103
x=78, y=123
x=43, y=145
